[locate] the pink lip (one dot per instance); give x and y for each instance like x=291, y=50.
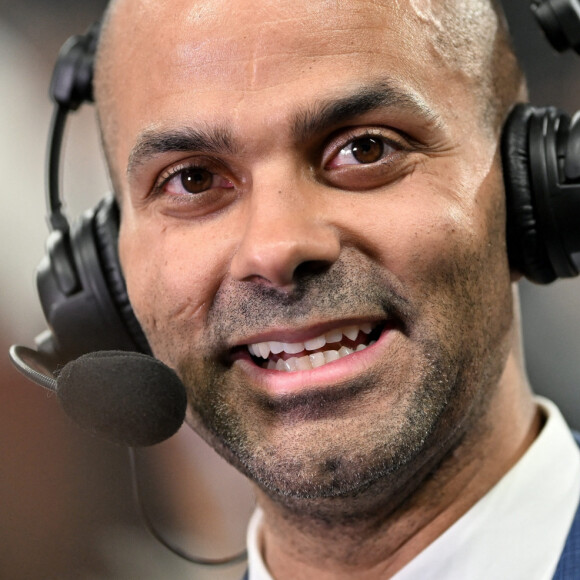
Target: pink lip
x=278, y=383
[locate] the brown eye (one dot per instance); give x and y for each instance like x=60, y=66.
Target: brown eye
x=364, y=150
x=191, y=181
x=196, y=180
x=367, y=150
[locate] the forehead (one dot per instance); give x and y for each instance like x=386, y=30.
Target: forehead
x=233, y=58
x=251, y=26
x=251, y=43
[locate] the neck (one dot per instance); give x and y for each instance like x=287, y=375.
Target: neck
x=374, y=533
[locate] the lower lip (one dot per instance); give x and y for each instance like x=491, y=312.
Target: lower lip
x=283, y=383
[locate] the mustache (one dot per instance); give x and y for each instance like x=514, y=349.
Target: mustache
x=348, y=289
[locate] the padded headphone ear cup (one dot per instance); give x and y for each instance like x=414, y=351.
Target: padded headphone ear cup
x=526, y=247
x=82, y=290
x=106, y=230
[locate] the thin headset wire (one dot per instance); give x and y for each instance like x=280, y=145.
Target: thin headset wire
x=235, y=559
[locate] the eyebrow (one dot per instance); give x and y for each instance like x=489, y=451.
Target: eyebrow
x=152, y=143
x=365, y=99
x=319, y=117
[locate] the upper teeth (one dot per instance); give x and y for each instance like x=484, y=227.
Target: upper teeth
x=264, y=349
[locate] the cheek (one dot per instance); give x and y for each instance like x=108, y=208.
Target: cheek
x=172, y=277
x=462, y=267
x=416, y=236
x=443, y=239
x=445, y=224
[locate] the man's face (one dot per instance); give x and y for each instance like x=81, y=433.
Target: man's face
x=312, y=231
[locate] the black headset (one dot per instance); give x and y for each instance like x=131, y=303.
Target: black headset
x=80, y=281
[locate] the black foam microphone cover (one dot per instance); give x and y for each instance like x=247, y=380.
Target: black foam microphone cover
x=126, y=397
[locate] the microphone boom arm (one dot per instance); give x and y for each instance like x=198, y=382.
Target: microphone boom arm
x=33, y=365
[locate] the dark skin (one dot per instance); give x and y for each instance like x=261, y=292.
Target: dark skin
x=279, y=184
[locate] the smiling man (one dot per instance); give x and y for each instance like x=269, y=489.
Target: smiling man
x=313, y=236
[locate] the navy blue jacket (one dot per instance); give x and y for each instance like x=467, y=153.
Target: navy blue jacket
x=569, y=565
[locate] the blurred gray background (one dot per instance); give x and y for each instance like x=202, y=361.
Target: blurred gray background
x=66, y=510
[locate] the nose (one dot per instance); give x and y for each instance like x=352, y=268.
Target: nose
x=288, y=234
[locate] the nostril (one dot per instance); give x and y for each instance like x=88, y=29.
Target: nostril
x=311, y=268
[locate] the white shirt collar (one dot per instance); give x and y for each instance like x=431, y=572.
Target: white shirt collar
x=256, y=565
x=517, y=530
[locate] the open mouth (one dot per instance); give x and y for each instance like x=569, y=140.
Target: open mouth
x=316, y=352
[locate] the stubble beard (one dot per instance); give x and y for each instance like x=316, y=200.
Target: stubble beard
x=339, y=441
x=321, y=449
